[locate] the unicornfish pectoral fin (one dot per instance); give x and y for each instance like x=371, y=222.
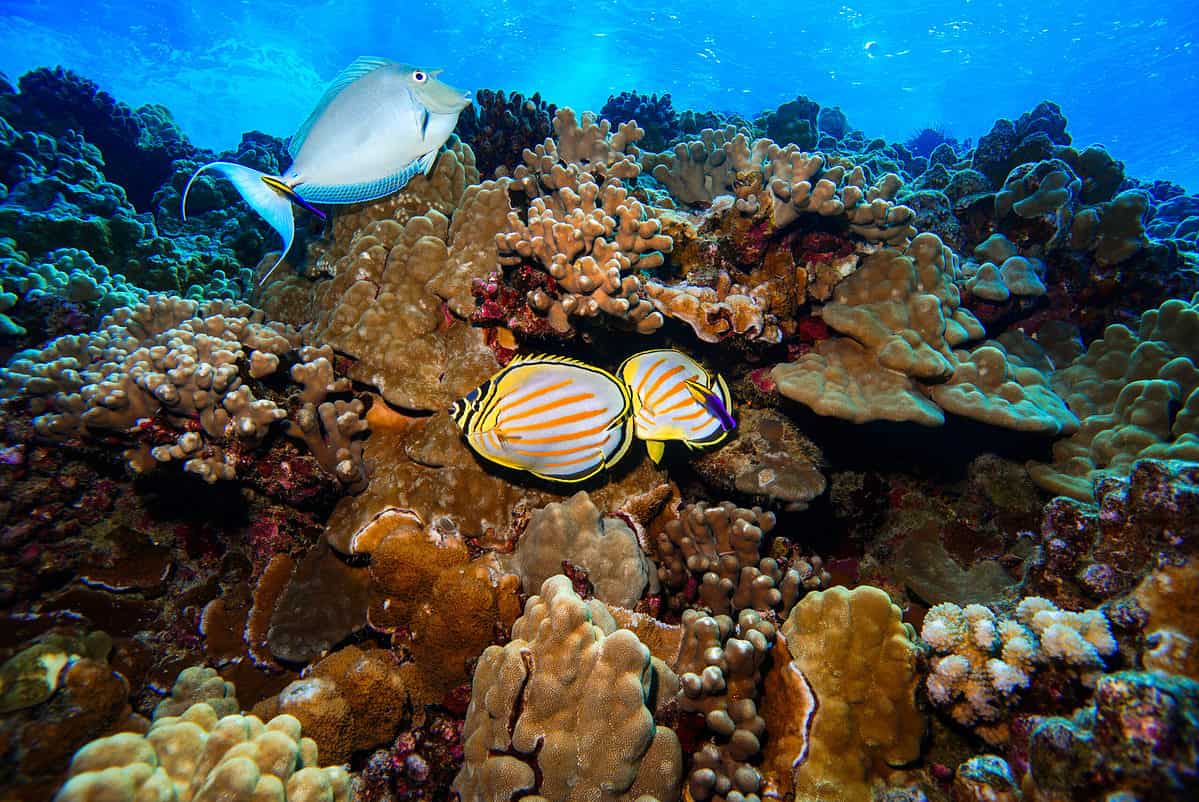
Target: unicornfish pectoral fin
x=271, y=204
x=656, y=449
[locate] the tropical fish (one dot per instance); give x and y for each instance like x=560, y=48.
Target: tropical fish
x=378, y=125
x=674, y=398
x=557, y=418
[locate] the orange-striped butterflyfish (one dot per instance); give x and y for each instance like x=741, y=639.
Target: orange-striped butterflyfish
x=675, y=398
x=555, y=417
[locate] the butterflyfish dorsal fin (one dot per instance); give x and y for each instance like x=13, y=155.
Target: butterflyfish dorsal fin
x=364, y=65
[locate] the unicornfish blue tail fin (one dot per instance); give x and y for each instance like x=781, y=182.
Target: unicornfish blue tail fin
x=266, y=194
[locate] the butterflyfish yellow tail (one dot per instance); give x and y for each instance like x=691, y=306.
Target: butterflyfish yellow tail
x=267, y=195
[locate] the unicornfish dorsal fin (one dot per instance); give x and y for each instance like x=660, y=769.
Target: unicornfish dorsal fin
x=273, y=205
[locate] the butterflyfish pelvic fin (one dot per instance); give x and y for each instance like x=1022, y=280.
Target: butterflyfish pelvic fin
x=656, y=449
x=264, y=197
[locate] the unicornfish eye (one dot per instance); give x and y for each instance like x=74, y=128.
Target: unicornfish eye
x=419, y=77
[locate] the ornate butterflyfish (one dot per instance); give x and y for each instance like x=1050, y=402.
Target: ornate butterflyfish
x=379, y=124
x=555, y=417
x=675, y=398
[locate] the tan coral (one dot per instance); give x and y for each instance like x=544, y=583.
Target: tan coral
x=582, y=149
x=440, y=191
x=381, y=310
x=200, y=756
x=1170, y=595
x=198, y=684
x=902, y=315
x=858, y=660
x=591, y=245
x=353, y=699
x=568, y=687
x=719, y=665
x=576, y=531
x=1137, y=395
x=180, y=363
x=721, y=546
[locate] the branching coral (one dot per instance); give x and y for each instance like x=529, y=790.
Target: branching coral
x=983, y=660
x=719, y=665
x=592, y=246
x=166, y=377
x=715, y=554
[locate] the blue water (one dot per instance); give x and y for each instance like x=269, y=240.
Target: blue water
x=1126, y=72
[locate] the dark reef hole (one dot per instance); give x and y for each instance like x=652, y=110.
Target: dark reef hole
x=940, y=453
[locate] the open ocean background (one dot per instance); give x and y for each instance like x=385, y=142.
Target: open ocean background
x=1125, y=72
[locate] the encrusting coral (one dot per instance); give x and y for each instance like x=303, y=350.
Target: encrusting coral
x=566, y=709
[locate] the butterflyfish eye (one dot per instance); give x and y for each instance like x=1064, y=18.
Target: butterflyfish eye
x=419, y=77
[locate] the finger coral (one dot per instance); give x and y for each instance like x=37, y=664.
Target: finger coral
x=983, y=660
x=166, y=377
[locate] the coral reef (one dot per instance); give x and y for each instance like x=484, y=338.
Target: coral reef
x=925, y=342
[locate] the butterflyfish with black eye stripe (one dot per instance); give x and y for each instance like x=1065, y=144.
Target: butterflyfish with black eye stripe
x=555, y=417
x=675, y=398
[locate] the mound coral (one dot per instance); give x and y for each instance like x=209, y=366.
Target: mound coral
x=567, y=688
x=843, y=708
x=1137, y=395
x=575, y=531
x=200, y=756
